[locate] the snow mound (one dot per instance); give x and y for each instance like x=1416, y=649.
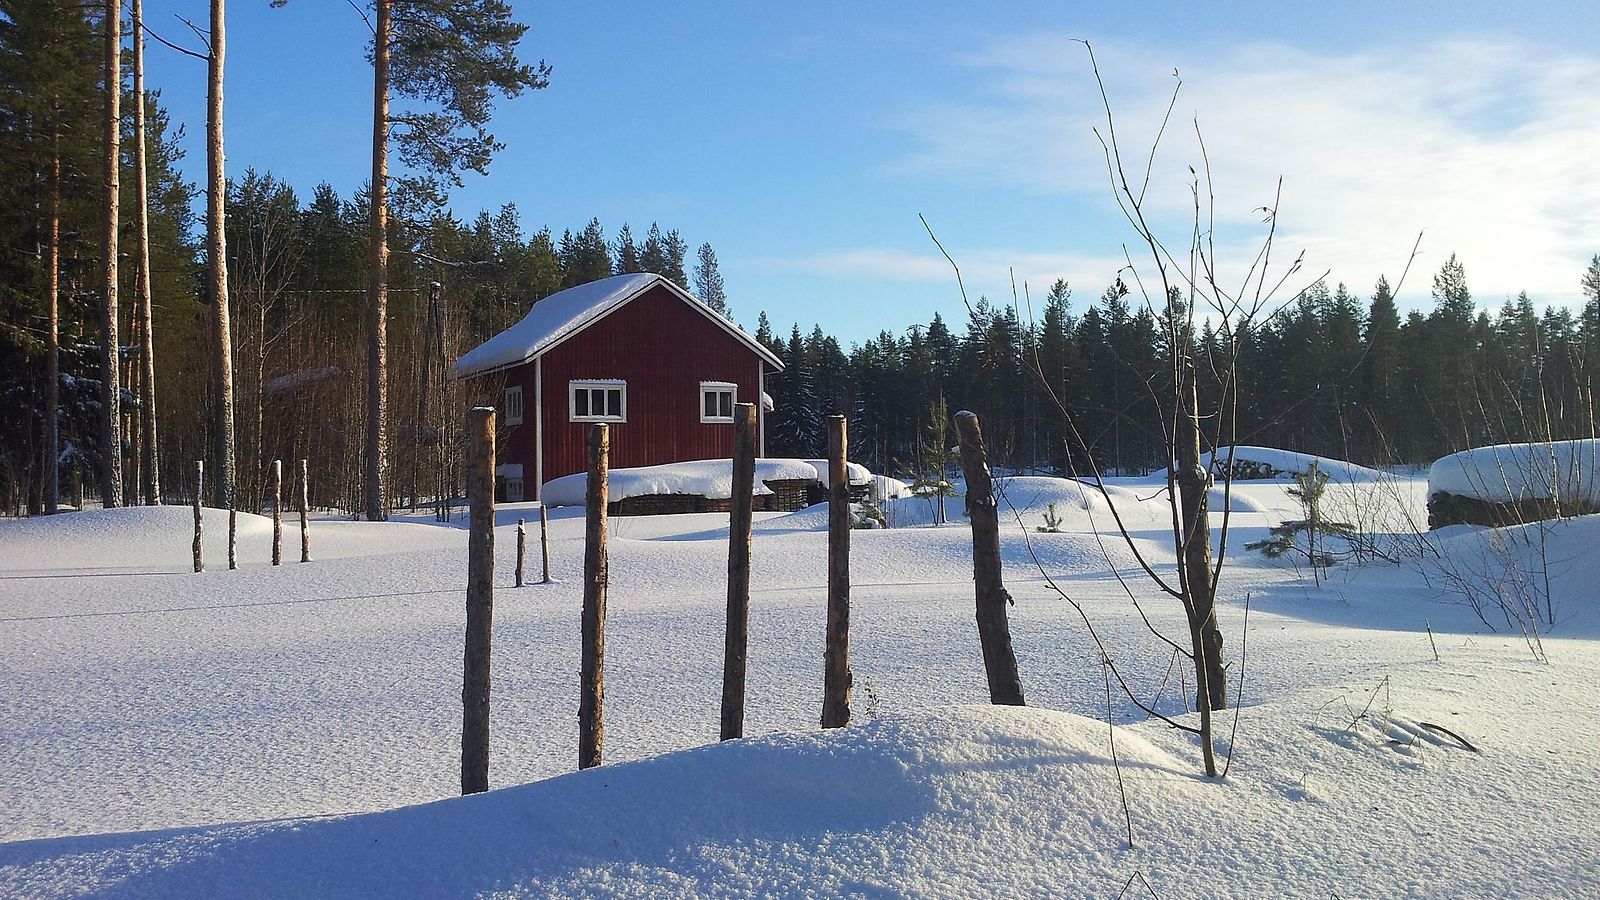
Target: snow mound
x=1287, y=463
x=1568, y=471
x=934, y=801
x=710, y=478
x=855, y=472
x=124, y=536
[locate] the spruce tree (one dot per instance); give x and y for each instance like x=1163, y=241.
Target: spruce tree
x=708, y=281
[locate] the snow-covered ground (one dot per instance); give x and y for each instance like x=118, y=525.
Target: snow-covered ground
x=316, y=708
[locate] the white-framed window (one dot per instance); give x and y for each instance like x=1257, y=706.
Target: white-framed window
x=514, y=405
x=597, y=400
x=716, y=401
x=513, y=490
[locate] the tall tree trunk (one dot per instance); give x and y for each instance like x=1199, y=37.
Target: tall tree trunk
x=52, y=280
x=378, y=278
x=110, y=377
x=151, y=461
x=217, y=261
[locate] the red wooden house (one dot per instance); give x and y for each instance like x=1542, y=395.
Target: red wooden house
x=636, y=351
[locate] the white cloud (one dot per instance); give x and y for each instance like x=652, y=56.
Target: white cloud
x=1489, y=147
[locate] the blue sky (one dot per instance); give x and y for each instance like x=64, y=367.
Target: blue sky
x=802, y=140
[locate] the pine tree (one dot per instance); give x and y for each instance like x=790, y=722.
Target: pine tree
x=452, y=56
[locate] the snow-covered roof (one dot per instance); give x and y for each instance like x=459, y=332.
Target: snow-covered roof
x=564, y=313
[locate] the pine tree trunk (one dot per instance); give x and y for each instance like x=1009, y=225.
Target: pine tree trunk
x=216, y=257
x=151, y=457
x=52, y=387
x=110, y=383
x=377, y=501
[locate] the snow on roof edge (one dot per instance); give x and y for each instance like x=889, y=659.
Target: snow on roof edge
x=562, y=314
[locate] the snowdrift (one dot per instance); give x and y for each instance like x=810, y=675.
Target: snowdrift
x=1283, y=465
x=937, y=800
x=709, y=478
x=1565, y=471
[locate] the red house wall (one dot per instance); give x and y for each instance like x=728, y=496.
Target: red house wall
x=663, y=349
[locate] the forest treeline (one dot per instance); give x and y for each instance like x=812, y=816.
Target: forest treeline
x=1334, y=371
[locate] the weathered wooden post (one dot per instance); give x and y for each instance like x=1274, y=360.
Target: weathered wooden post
x=737, y=639
x=480, y=604
x=522, y=547
x=994, y=629
x=305, y=528
x=591, y=697
x=836, y=678
x=199, y=491
x=544, y=539
x=277, y=511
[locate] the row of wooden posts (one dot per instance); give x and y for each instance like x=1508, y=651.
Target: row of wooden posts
x=275, y=487
x=994, y=634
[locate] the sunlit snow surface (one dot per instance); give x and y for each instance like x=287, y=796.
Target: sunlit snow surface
x=318, y=706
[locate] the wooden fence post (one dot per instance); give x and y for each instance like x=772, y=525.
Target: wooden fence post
x=480, y=604
x=836, y=678
x=277, y=512
x=994, y=629
x=591, y=696
x=544, y=539
x=737, y=639
x=522, y=547
x=233, y=531
x=305, y=529
x=199, y=491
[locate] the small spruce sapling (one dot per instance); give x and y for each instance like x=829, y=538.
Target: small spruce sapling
x=1052, y=522
x=1309, y=488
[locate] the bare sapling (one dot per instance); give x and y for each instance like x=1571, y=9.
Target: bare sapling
x=1175, y=281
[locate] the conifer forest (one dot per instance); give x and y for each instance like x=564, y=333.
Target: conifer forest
x=1338, y=369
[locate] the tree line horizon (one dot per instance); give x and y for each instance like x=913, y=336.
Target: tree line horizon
x=1335, y=371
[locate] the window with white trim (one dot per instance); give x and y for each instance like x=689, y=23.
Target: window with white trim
x=513, y=490
x=716, y=401
x=514, y=405
x=597, y=400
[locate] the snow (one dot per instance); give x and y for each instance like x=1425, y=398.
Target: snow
x=1290, y=462
x=552, y=319
x=302, y=378
x=294, y=730
x=855, y=473
x=1568, y=471
x=555, y=317
x=710, y=478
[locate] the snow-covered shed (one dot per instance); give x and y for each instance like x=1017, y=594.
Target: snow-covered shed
x=636, y=351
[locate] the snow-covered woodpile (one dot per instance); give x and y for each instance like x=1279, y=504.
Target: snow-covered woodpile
x=1510, y=484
